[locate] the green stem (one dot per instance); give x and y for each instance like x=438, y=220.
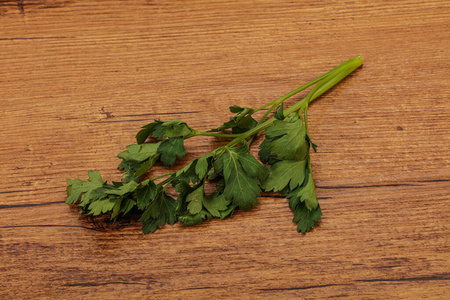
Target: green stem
x=262, y=119
x=267, y=113
x=306, y=119
x=164, y=175
x=275, y=103
x=330, y=80
x=285, y=97
x=225, y=135
x=305, y=86
x=327, y=84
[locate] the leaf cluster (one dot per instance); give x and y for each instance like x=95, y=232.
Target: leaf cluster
x=241, y=122
x=286, y=148
x=237, y=177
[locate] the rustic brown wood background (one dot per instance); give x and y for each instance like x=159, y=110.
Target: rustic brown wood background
x=78, y=79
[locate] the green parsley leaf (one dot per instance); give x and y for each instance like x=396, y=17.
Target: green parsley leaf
x=158, y=132
x=145, y=166
x=235, y=109
x=77, y=187
x=145, y=194
x=189, y=220
x=242, y=122
x=264, y=150
x=140, y=152
x=159, y=211
x=176, y=128
x=285, y=173
x=170, y=149
x=138, y=159
x=183, y=189
x=288, y=138
x=146, y=131
x=204, y=164
x=290, y=173
x=122, y=189
x=306, y=218
x=217, y=205
x=187, y=174
x=130, y=168
x=305, y=193
x=109, y=198
x=123, y=207
x=164, y=129
x=195, y=200
x=243, y=175
x=101, y=206
x=279, y=113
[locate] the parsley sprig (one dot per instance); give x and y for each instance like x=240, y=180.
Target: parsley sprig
x=238, y=177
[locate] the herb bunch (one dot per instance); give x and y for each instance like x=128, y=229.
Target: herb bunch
x=239, y=178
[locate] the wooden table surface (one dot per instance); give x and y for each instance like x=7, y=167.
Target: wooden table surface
x=79, y=78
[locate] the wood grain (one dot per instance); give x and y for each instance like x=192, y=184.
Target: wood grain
x=78, y=79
